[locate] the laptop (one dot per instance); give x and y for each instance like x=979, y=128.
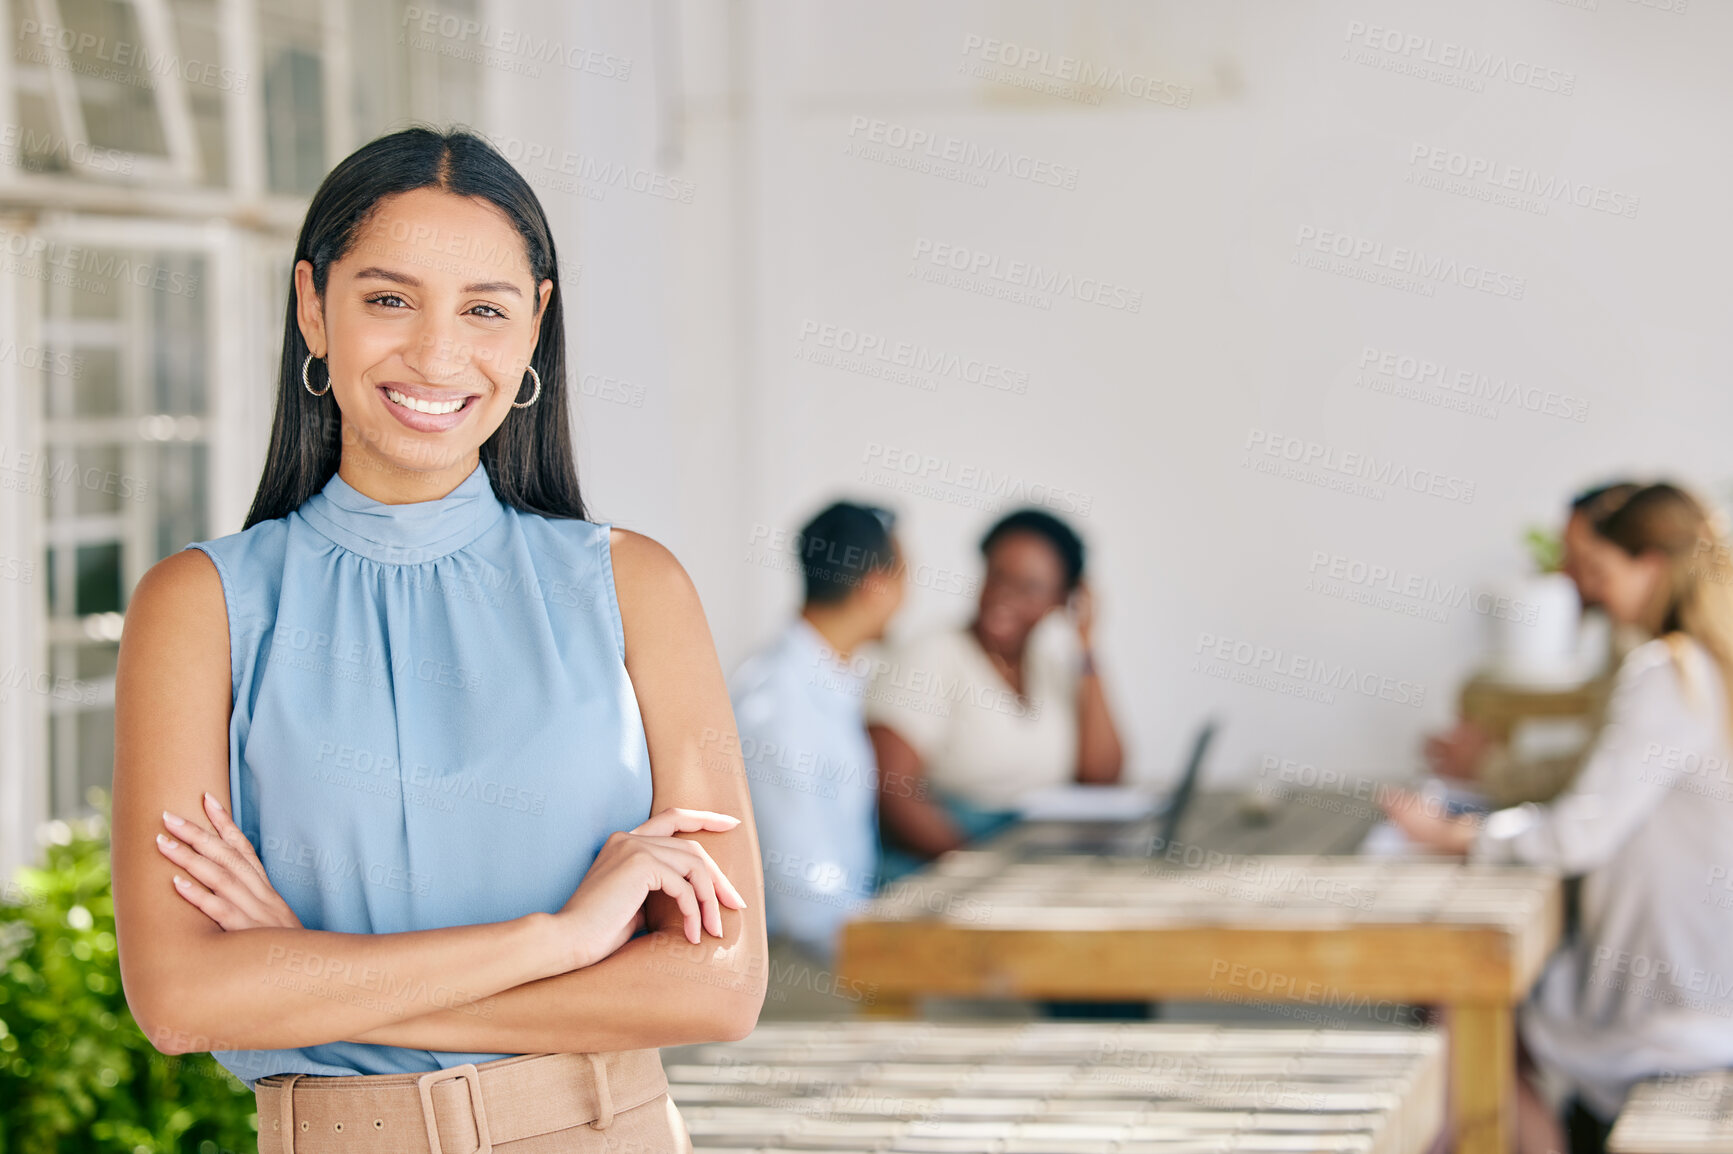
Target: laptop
x=1127, y=835
x=1180, y=800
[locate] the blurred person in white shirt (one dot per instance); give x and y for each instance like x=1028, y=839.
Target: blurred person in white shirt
x=1644, y=985
x=967, y=720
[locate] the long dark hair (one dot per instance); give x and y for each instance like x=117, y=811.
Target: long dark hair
x=529, y=457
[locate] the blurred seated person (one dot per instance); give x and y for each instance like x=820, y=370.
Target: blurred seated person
x=967, y=720
x=797, y=704
x=1640, y=988
x=1468, y=753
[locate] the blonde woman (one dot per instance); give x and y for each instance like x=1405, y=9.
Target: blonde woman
x=1646, y=985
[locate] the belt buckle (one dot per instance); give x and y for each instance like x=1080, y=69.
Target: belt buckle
x=467, y=1073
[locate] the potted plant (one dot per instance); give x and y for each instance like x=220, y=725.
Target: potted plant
x=1533, y=619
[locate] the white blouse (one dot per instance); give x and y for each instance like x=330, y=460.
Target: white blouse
x=977, y=739
x=1646, y=986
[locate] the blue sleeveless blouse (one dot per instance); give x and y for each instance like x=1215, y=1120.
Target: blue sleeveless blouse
x=432, y=726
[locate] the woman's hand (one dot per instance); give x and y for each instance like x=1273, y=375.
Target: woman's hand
x=235, y=892
x=1081, y=606
x=1458, y=753
x=608, y=907
x=1421, y=821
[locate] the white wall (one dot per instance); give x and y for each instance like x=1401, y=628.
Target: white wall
x=1146, y=416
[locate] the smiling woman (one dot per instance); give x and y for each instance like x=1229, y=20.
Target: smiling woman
x=438, y=848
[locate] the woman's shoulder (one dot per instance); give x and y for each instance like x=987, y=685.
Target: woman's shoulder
x=216, y=564
x=180, y=603
x=1674, y=668
x=643, y=563
x=1658, y=657
x=655, y=595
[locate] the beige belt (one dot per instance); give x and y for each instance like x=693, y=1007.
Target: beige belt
x=458, y=1110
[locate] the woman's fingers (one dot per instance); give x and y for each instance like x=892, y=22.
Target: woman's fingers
x=224, y=871
x=670, y=881
x=724, y=888
x=213, y=875
x=673, y=821
x=231, y=835
x=202, y=899
x=213, y=905
x=692, y=871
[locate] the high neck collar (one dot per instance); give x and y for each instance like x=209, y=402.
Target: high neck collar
x=407, y=534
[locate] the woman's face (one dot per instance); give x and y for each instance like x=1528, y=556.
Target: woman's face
x=432, y=306
x=1623, y=585
x=1025, y=581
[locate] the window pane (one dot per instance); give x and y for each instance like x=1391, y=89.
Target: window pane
x=81, y=749
x=95, y=386
x=294, y=119
x=96, y=661
x=94, y=298
x=179, y=483
x=85, y=481
x=99, y=577
x=115, y=75
x=179, y=365
x=196, y=24
x=38, y=150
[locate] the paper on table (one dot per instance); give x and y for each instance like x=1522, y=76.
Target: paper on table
x=1089, y=803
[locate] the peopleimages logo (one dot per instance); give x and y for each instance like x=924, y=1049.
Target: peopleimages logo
x=1021, y=275
x=1426, y=268
x=1326, y=460
x=1388, y=587
x=967, y=155
x=1076, y=74
x=1469, y=384
x=1448, y=54
x=924, y=474
x=1525, y=181
x=921, y=359
x=510, y=42
x=1271, y=667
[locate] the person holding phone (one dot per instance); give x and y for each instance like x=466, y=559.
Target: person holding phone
x=419, y=826
x=966, y=721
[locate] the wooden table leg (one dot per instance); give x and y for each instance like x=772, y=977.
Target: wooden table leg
x=1483, y=1077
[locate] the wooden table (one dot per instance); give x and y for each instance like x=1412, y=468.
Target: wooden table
x=1059, y=1088
x=1346, y=933
x=1687, y=1114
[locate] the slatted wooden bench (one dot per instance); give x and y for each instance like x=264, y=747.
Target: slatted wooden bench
x=1686, y=1114
x=1332, y=931
x=1056, y=1088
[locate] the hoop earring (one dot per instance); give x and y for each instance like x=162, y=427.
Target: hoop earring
x=308, y=385
x=537, y=378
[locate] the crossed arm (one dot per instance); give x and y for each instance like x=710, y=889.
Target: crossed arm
x=528, y=985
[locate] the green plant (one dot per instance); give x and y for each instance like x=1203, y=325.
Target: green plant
x=1545, y=548
x=76, y=1072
